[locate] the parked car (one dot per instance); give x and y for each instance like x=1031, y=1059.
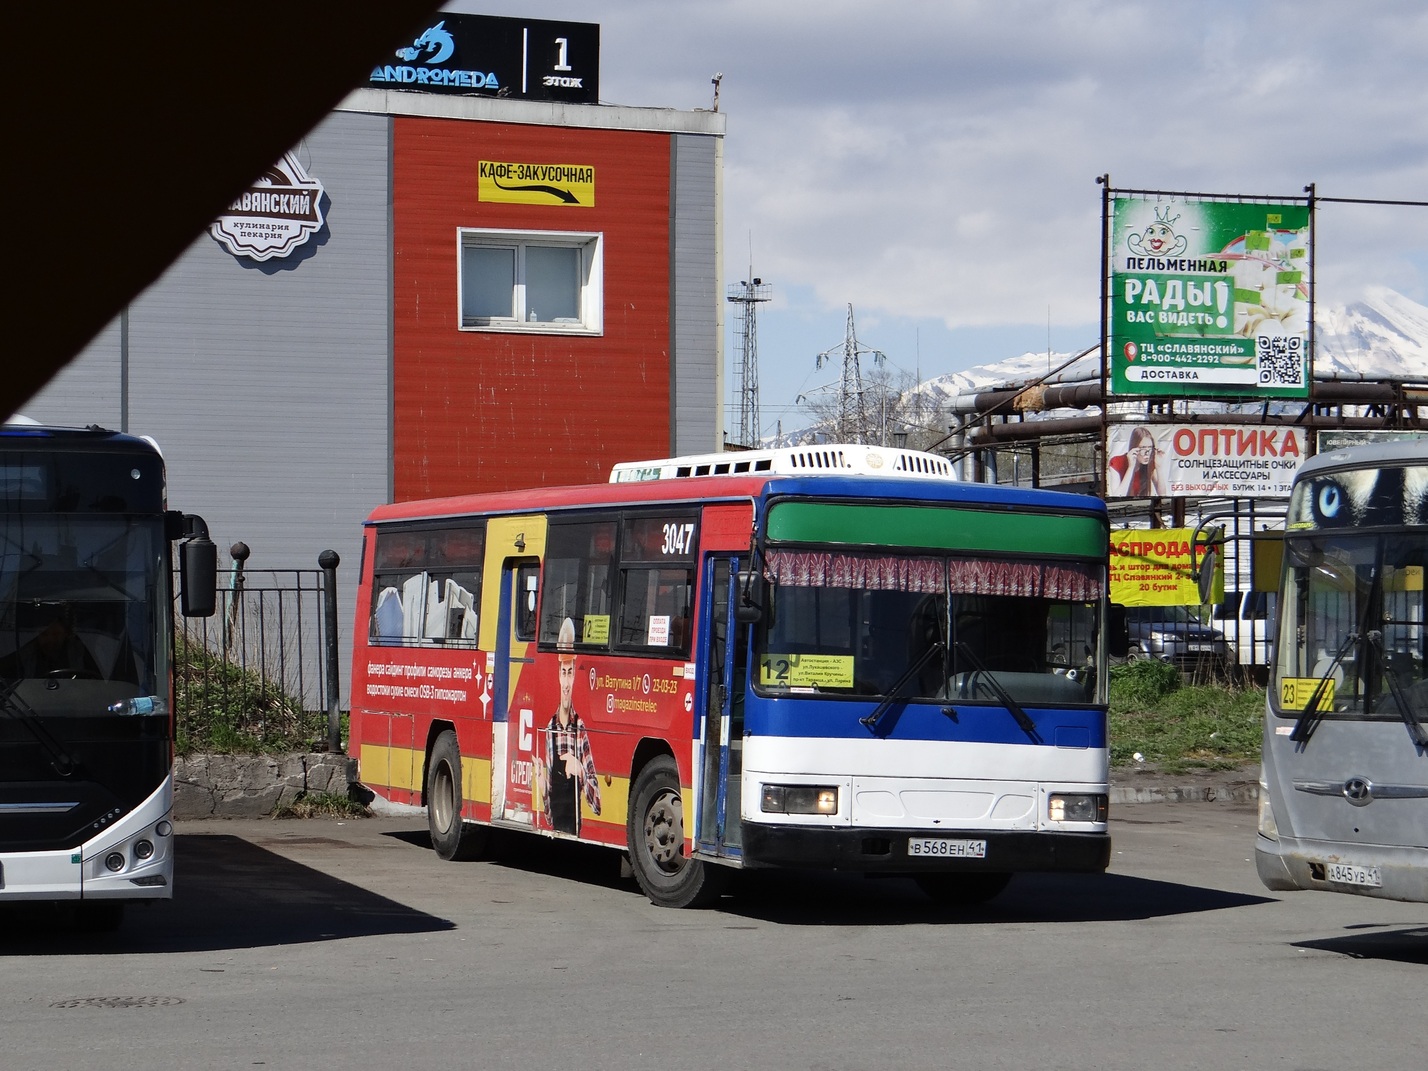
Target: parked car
x=1175, y=634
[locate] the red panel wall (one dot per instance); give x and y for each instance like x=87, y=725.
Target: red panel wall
x=482, y=411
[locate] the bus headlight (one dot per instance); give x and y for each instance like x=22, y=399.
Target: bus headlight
x=1075, y=807
x=800, y=799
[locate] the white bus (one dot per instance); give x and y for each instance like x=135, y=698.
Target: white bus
x=86, y=657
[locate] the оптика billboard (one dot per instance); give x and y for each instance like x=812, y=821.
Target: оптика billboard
x=1202, y=460
x=1209, y=297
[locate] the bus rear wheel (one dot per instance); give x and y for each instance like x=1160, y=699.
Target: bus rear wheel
x=451, y=836
x=962, y=890
x=657, y=846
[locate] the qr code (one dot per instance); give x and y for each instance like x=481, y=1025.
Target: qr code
x=1279, y=359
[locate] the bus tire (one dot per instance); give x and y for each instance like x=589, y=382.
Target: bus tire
x=656, y=843
x=451, y=836
x=964, y=889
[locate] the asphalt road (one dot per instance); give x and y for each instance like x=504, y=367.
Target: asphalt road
x=306, y=944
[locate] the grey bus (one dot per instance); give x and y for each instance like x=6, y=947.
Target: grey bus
x=1344, y=790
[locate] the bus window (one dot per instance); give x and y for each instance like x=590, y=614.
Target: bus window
x=656, y=580
x=428, y=587
x=528, y=587
x=655, y=607
x=579, y=565
x=857, y=624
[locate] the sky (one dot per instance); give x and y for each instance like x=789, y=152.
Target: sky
x=933, y=163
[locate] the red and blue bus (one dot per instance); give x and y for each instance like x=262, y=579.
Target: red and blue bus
x=833, y=657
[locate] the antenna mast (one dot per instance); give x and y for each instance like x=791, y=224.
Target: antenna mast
x=852, y=413
x=745, y=296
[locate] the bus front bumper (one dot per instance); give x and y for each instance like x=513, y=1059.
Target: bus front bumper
x=1287, y=864
x=886, y=850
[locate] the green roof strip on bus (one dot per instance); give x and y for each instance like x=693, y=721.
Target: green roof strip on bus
x=937, y=528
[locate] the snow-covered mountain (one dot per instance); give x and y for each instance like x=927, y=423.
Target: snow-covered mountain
x=1384, y=336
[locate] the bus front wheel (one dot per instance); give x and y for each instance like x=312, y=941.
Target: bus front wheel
x=452, y=837
x=657, y=845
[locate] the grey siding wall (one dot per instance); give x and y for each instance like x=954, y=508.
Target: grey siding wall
x=266, y=387
x=696, y=300
x=88, y=390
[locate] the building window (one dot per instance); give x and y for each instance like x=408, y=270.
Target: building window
x=543, y=281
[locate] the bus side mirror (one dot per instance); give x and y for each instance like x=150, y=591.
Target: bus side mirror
x=751, y=597
x=198, y=570
x=1205, y=580
x=1118, y=632
x=1203, y=571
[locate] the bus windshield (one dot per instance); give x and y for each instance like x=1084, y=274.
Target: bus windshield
x=938, y=628
x=79, y=599
x=1353, y=619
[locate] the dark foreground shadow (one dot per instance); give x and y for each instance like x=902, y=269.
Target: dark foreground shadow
x=588, y=864
x=803, y=899
x=1402, y=946
x=228, y=893
x=817, y=898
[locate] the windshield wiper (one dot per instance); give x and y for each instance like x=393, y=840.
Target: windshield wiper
x=871, y=719
x=12, y=706
x=1405, y=709
x=1013, y=707
x=1309, y=720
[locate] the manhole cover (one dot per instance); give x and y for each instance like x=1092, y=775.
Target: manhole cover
x=117, y=1002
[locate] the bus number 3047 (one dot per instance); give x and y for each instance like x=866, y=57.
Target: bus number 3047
x=677, y=538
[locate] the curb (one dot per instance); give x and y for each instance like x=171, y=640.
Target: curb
x=1226, y=786
x=254, y=786
x=1243, y=794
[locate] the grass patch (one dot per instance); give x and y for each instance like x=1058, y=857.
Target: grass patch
x=321, y=805
x=224, y=709
x=1176, y=727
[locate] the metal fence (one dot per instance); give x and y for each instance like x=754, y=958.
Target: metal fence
x=256, y=670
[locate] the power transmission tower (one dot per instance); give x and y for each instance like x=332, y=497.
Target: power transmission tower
x=745, y=296
x=852, y=421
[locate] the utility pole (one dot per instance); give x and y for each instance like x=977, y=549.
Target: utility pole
x=852, y=425
x=746, y=295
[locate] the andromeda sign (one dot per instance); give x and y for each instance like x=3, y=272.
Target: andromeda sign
x=482, y=55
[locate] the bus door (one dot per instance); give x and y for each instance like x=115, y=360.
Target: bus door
x=723, y=667
x=513, y=650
